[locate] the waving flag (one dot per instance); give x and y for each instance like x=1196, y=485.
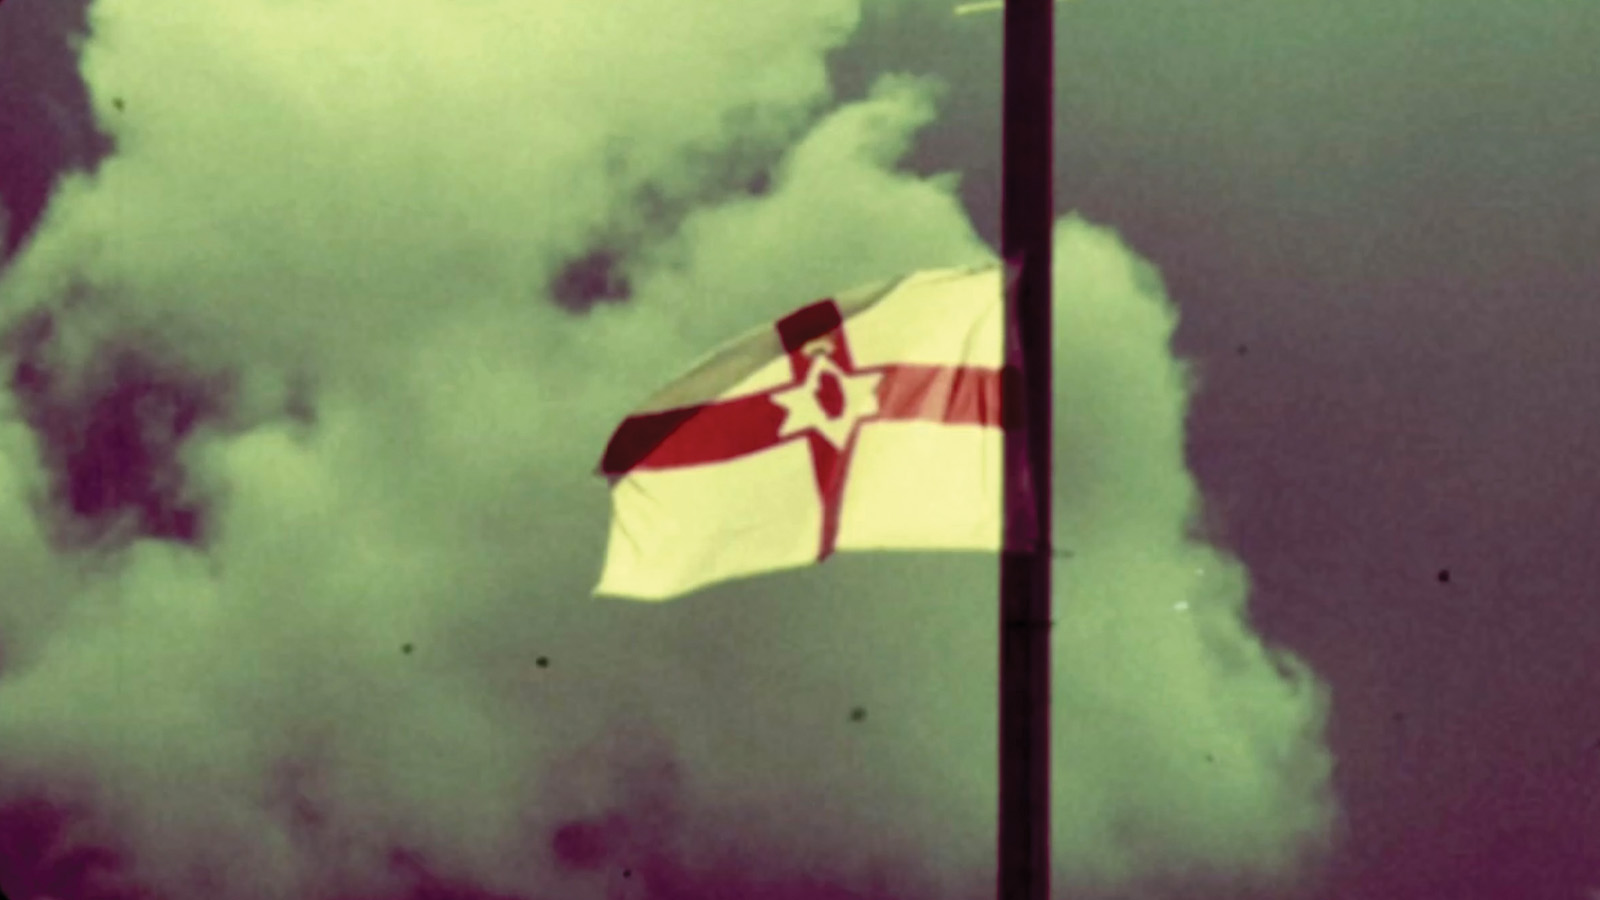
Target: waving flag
x=867, y=421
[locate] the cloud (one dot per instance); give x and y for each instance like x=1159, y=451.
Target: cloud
x=1204, y=752
x=373, y=663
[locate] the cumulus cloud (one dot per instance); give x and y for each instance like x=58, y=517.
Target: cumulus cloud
x=304, y=612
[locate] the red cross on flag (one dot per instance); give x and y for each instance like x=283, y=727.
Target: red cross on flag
x=867, y=421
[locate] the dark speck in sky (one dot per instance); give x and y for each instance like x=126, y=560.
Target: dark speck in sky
x=1444, y=576
x=543, y=662
x=857, y=714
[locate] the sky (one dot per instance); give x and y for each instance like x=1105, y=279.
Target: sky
x=317, y=315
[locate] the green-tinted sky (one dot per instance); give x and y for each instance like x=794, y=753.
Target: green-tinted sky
x=313, y=371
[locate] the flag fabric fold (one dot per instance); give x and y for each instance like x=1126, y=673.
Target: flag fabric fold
x=866, y=421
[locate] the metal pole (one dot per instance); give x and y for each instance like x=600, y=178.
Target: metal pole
x=1025, y=239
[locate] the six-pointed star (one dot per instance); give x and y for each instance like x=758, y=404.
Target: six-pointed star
x=829, y=401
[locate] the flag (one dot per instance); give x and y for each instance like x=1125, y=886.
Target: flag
x=865, y=421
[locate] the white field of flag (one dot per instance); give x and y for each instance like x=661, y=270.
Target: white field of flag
x=866, y=421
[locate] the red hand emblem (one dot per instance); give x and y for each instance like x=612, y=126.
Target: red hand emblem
x=830, y=396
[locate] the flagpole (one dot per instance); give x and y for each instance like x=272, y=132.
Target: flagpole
x=1026, y=212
